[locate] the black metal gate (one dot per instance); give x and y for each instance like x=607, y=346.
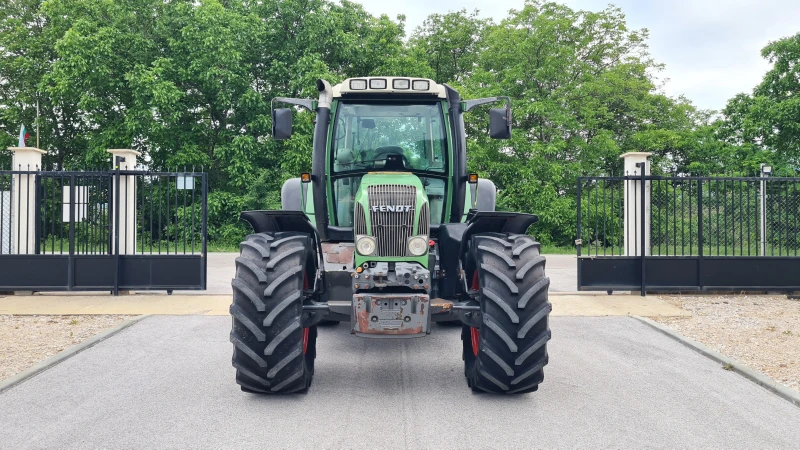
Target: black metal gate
x=653, y=233
x=102, y=231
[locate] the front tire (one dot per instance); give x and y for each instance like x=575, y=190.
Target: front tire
x=507, y=353
x=272, y=352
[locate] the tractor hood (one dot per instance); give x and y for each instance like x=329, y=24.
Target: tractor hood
x=392, y=207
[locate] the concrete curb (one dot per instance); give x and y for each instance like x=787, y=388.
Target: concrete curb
x=589, y=293
x=43, y=365
x=756, y=377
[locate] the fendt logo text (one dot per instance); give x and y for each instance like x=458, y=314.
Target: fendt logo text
x=391, y=208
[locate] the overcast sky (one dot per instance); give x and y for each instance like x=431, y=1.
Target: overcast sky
x=711, y=48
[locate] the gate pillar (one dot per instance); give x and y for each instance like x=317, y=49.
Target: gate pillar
x=634, y=161
x=127, y=201
x=23, y=199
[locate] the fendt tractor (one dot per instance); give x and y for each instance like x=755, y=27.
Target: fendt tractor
x=389, y=233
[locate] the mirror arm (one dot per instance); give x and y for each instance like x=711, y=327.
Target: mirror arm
x=469, y=104
x=306, y=103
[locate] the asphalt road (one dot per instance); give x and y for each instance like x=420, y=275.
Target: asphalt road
x=562, y=270
x=167, y=382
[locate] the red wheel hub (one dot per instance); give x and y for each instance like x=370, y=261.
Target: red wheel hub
x=475, y=335
x=305, y=330
x=305, y=340
x=476, y=283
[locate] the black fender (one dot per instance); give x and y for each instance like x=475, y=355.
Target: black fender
x=453, y=239
x=495, y=222
x=275, y=221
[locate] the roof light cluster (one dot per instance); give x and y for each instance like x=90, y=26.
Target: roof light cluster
x=397, y=84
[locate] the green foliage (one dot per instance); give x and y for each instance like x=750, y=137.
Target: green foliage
x=582, y=95
x=765, y=125
x=189, y=84
x=450, y=44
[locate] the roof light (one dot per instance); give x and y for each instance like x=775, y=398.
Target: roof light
x=420, y=85
x=377, y=83
x=401, y=84
x=358, y=85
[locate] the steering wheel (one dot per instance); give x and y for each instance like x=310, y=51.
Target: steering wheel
x=382, y=152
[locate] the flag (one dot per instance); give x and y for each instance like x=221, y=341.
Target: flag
x=23, y=136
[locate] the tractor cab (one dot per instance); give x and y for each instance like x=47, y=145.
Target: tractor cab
x=387, y=138
x=386, y=125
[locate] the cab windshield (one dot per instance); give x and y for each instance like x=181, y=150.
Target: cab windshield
x=388, y=137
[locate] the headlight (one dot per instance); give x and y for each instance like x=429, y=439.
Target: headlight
x=420, y=85
x=401, y=84
x=418, y=245
x=358, y=85
x=377, y=83
x=365, y=245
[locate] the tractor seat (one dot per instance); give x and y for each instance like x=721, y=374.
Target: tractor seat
x=344, y=159
x=394, y=162
x=395, y=159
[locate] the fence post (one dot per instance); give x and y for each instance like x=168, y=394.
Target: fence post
x=766, y=170
x=126, y=207
x=579, y=238
x=637, y=217
x=23, y=199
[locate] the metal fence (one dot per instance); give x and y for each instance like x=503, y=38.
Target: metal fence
x=164, y=214
x=149, y=227
x=751, y=222
x=737, y=216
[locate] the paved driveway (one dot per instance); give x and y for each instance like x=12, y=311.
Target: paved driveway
x=612, y=382
x=562, y=270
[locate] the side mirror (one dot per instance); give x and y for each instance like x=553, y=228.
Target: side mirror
x=281, y=123
x=500, y=123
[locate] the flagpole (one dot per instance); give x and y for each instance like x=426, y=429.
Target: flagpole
x=37, y=122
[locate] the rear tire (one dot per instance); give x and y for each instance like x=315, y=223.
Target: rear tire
x=507, y=272
x=272, y=352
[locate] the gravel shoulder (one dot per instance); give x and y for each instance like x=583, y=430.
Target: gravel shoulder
x=26, y=340
x=763, y=332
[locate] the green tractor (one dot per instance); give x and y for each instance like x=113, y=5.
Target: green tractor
x=389, y=233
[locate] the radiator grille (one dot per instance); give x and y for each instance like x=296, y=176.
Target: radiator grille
x=392, y=229
x=424, y=220
x=360, y=222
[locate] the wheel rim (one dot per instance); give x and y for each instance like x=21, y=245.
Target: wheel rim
x=305, y=330
x=475, y=334
x=305, y=340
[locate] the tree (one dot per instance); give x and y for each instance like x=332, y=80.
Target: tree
x=27, y=52
x=765, y=126
x=188, y=83
x=582, y=92
x=450, y=44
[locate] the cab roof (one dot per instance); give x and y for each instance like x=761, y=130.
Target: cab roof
x=388, y=85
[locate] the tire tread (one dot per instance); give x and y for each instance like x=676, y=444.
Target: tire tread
x=514, y=317
x=266, y=332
